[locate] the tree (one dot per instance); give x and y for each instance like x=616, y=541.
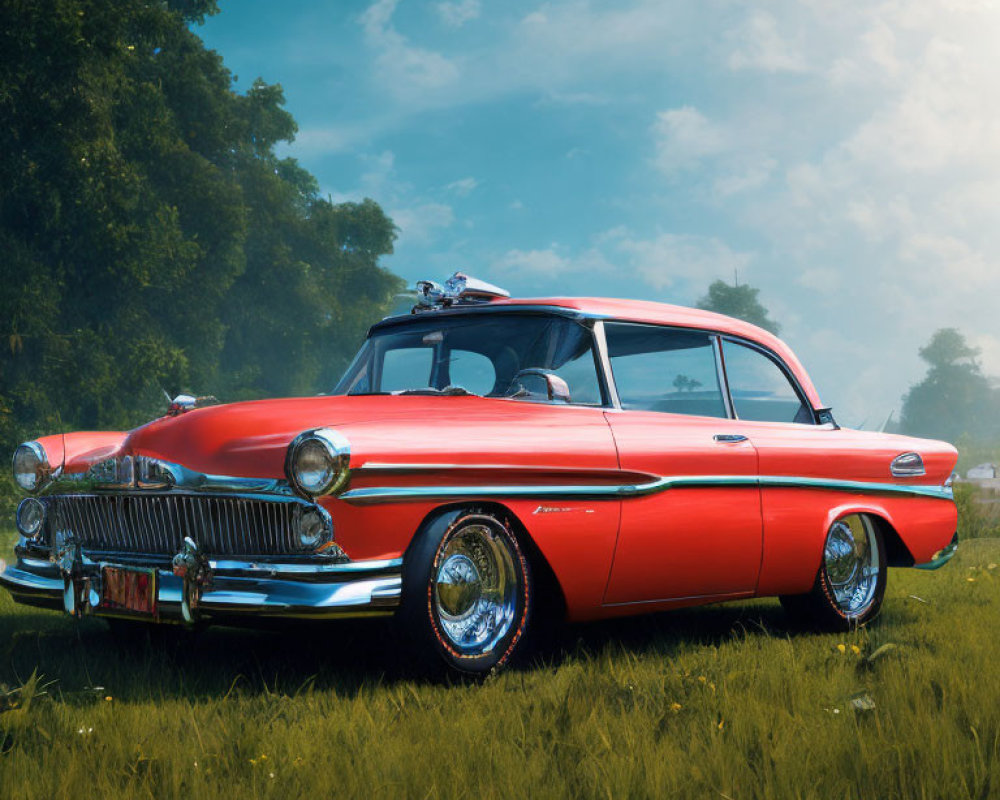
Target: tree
x=151, y=238
x=738, y=301
x=954, y=398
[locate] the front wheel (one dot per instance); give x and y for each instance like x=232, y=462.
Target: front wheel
x=850, y=583
x=467, y=591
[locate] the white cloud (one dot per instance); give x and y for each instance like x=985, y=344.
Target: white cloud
x=463, y=186
x=637, y=264
x=759, y=45
x=671, y=258
x=683, y=137
x=420, y=222
x=532, y=264
x=456, y=14
x=332, y=139
x=401, y=67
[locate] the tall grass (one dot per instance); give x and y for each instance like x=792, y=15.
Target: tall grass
x=978, y=511
x=717, y=702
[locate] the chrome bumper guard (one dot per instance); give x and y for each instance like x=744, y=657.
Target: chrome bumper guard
x=196, y=587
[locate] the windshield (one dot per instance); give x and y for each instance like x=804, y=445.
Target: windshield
x=493, y=355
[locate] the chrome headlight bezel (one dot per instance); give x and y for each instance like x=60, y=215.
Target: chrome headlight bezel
x=28, y=508
x=40, y=473
x=312, y=527
x=329, y=446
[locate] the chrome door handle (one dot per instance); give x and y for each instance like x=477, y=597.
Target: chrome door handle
x=729, y=437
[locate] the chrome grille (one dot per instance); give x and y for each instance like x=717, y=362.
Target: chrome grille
x=157, y=524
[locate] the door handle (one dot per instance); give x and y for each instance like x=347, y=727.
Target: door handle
x=729, y=438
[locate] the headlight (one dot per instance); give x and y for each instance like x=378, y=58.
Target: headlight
x=318, y=461
x=30, y=516
x=31, y=466
x=312, y=528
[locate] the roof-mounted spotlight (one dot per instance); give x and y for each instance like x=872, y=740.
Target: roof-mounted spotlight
x=458, y=289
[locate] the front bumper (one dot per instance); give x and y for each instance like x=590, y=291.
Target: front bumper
x=227, y=590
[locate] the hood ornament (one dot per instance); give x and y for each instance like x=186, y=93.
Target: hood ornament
x=458, y=289
x=187, y=402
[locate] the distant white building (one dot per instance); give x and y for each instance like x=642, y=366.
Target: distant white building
x=982, y=472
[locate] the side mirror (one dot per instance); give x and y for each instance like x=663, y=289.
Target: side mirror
x=539, y=383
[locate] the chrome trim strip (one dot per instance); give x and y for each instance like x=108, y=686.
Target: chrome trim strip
x=860, y=487
x=229, y=566
x=386, y=494
x=403, y=466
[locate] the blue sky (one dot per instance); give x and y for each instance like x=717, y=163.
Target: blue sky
x=842, y=157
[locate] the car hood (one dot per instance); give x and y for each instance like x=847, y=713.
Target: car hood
x=251, y=439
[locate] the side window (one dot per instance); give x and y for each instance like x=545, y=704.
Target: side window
x=406, y=368
x=664, y=369
x=760, y=389
x=472, y=371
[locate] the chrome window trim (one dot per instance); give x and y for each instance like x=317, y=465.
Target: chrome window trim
x=601, y=339
x=562, y=311
x=608, y=378
x=780, y=364
x=713, y=336
x=723, y=377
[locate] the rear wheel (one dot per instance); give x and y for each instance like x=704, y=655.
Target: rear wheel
x=467, y=592
x=850, y=583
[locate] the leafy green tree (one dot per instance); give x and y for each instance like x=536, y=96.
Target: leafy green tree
x=151, y=238
x=954, y=398
x=738, y=301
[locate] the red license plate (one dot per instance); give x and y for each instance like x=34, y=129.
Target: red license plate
x=129, y=591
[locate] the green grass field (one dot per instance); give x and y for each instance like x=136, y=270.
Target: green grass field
x=722, y=702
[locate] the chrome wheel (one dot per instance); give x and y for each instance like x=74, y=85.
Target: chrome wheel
x=475, y=588
x=851, y=559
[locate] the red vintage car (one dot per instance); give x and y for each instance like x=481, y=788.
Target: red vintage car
x=485, y=461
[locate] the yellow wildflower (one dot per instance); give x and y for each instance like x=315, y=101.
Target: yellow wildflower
x=842, y=648
x=675, y=707
x=856, y=650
